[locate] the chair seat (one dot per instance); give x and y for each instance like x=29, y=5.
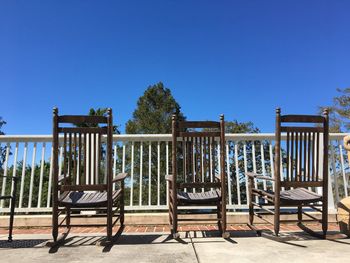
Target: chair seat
x=299, y=195
x=85, y=199
x=200, y=197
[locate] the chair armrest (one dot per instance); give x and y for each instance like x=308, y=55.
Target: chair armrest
x=259, y=176
x=120, y=177
x=169, y=177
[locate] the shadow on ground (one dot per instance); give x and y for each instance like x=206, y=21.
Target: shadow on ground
x=187, y=237
x=23, y=243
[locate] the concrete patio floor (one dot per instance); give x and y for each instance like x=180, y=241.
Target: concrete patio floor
x=193, y=246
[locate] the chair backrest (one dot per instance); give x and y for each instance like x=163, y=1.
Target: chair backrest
x=305, y=150
x=82, y=157
x=198, y=151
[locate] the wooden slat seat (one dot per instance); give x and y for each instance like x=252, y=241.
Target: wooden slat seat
x=299, y=195
x=200, y=197
x=85, y=199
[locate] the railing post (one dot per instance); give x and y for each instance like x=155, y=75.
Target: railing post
x=331, y=207
x=335, y=177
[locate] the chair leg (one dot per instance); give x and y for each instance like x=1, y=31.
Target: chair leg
x=174, y=230
x=224, y=232
x=109, y=222
x=122, y=204
x=68, y=212
x=54, y=223
x=251, y=213
x=170, y=220
x=122, y=209
x=324, y=219
x=175, y=233
x=219, y=215
x=12, y=214
x=251, y=206
x=171, y=215
x=300, y=214
x=277, y=220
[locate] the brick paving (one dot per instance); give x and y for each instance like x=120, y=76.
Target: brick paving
x=165, y=228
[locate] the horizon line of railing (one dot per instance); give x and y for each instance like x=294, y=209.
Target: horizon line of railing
x=146, y=157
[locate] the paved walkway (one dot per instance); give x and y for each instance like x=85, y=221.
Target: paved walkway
x=195, y=245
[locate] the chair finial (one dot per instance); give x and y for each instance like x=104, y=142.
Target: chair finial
x=222, y=117
x=278, y=110
x=173, y=117
x=109, y=111
x=325, y=111
x=55, y=110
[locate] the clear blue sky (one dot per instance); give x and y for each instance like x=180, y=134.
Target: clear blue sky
x=240, y=58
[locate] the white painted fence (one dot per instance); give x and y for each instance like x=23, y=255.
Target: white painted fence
x=147, y=159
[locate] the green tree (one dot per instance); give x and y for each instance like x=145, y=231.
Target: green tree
x=339, y=121
x=98, y=112
x=2, y=122
x=153, y=115
x=154, y=111
x=339, y=112
x=2, y=149
x=240, y=127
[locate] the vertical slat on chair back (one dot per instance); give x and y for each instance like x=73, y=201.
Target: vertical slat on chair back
x=302, y=150
x=197, y=151
x=82, y=151
x=198, y=158
x=82, y=148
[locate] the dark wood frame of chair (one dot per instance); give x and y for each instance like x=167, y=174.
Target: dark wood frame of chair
x=77, y=173
x=12, y=199
x=192, y=141
x=302, y=172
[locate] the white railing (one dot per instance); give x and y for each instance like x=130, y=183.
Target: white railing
x=147, y=159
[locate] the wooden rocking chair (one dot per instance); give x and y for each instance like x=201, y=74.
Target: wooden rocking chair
x=82, y=172
x=194, y=181
x=306, y=171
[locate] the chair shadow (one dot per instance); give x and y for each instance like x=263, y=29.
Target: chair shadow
x=23, y=243
x=118, y=239
x=149, y=239
x=289, y=238
x=75, y=241
x=206, y=236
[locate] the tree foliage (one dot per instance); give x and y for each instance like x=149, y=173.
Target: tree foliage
x=154, y=111
x=2, y=149
x=153, y=115
x=2, y=122
x=339, y=112
x=240, y=127
x=98, y=112
x=339, y=121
